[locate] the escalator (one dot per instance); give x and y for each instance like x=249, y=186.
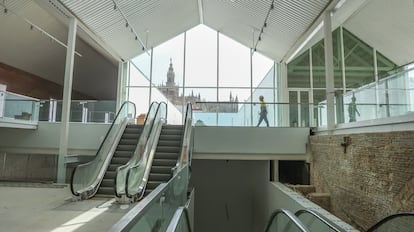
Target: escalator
x=166, y=156
x=122, y=155
x=305, y=220
x=122, y=142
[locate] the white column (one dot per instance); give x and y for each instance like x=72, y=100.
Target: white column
x=284, y=96
x=329, y=72
x=121, y=84
x=67, y=92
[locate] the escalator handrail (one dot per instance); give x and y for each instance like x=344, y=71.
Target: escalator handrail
x=186, y=147
x=148, y=153
x=103, y=142
x=321, y=218
x=142, y=141
x=290, y=215
x=388, y=218
x=172, y=227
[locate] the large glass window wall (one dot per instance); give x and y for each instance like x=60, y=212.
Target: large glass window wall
x=213, y=72
x=356, y=66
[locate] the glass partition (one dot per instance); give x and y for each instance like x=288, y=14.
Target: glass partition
x=180, y=221
x=389, y=97
x=83, y=111
x=86, y=177
x=247, y=114
x=18, y=107
x=157, y=209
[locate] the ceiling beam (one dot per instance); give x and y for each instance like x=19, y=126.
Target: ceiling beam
x=200, y=11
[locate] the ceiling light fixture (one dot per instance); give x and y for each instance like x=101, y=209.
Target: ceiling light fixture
x=127, y=24
x=259, y=38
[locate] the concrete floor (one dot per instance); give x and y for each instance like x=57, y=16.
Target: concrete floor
x=49, y=207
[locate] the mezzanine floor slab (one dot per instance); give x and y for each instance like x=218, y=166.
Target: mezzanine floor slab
x=49, y=207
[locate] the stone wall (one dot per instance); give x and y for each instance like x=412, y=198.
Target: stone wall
x=373, y=179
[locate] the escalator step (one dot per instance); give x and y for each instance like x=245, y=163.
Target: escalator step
x=164, y=162
x=168, y=149
x=106, y=191
x=113, y=167
x=169, y=143
x=109, y=175
x=166, y=155
x=119, y=160
x=108, y=183
x=170, y=137
x=130, y=136
x=121, y=147
x=161, y=169
x=159, y=177
x=126, y=154
x=133, y=142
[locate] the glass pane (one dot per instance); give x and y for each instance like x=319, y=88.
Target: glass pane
x=263, y=72
x=143, y=63
x=299, y=72
x=234, y=94
x=337, y=58
x=168, y=61
x=359, y=61
x=201, y=57
x=318, y=65
x=139, y=96
x=384, y=65
x=136, y=77
x=234, y=63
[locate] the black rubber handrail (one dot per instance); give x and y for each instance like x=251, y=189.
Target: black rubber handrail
x=320, y=218
x=288, y=214
x=389, y=218
x=103, y=141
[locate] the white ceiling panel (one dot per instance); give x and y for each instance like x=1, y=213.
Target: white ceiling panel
x=127, y=25
x=243, y=21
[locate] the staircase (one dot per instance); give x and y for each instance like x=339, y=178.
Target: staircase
x=165, y=157
x=122, y=155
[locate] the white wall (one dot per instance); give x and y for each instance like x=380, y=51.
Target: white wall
x=83, y=138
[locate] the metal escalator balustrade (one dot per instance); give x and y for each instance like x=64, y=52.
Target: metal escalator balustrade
x=137, y=172
x=284, y=221
x=316, y=222
x=87, y=177
x=166, y=156
x=122, y=155
x=137, y=152
x=180, y=222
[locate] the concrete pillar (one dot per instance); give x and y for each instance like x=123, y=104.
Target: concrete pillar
x=329, y=72
x=67, y=92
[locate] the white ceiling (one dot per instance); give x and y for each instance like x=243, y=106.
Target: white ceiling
x=104, y=38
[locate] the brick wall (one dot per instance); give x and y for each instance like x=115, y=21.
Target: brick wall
x=373, y=179
x=24, y=83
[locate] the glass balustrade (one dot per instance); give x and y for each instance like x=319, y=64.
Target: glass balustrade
x=248, y=114
x=84, y=111
x=18, y=107
x=389, y=97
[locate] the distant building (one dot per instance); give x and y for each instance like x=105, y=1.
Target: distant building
x=171, y=90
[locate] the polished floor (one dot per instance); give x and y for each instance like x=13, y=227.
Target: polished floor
x=50, y=207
